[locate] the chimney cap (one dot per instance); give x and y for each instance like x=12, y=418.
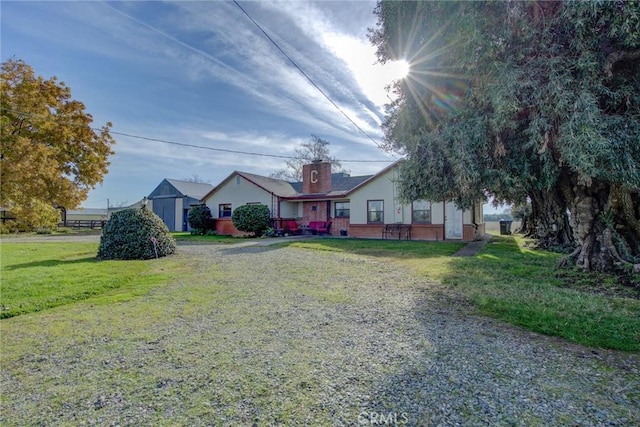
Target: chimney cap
x=317, y=161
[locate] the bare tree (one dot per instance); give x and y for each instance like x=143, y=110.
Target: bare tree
x=314, y=149
x=195, y=178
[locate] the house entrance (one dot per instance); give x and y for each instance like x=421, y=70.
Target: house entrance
x=452, y=221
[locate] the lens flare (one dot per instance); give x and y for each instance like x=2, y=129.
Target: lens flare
x=398, y=69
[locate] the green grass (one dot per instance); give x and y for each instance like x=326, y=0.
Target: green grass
x=518, y=285
x=401, y=249
x=186, y=340
x=38, y=276
x=505, y=280
x=187, y=237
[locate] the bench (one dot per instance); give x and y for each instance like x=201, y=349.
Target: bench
x=402, y=230
x=292, y=227
x=319, y=227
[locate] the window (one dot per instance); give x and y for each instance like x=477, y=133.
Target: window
x=342, y=210
x=224, y=210
x=375, y=211
x=421, y=212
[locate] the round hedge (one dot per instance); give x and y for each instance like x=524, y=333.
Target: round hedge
x=130, y=234
x=200, y=219
x=251, y=218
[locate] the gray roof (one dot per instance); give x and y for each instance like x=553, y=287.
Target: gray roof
x=340, y=183
x=347, y=183
x=196, y=190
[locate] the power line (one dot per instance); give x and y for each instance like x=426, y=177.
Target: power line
x=305, y=74
x=202, y=147
x=225, y=150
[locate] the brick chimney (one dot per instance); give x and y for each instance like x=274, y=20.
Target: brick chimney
x=316, y=177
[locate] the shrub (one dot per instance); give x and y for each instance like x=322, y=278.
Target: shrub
x=8, y=227
x=35, y=214
x=251, y=218
x=200, y=219
x=130, y=234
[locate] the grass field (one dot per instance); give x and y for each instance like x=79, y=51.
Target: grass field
x=506, y=280
x=266, y=335
x=38, y=276
x=520, y=286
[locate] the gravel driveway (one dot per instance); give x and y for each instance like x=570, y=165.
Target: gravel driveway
x=284, y=336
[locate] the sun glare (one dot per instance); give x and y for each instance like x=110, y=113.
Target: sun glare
x=399, y=69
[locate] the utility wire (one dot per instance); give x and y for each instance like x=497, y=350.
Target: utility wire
x=202, y=147
x=305, y=74
x=248, y=153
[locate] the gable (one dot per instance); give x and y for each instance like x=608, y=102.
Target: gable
x=177, y=188
x=165, y=189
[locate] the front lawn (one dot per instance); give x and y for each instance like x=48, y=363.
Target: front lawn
x=519, y=285
x=187, y=237
x=310, y=334
x=38, y=276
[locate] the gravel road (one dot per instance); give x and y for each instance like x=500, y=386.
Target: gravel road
x=297, y=337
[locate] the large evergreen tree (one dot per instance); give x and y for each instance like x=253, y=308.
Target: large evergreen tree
x=529, y=101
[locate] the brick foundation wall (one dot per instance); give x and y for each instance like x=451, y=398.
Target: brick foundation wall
x=225, y=227
x=469, y=232
x=366, y=231
x=338, y=224
x=427, y=232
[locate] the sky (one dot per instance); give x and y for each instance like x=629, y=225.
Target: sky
x=203, y=74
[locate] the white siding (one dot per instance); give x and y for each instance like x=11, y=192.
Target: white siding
x=467, y=217
x=238, y=191
x=289, y=210
x=437, y=213
x=382, y=188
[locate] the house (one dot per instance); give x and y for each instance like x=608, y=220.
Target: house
x=172, y=199
x=359, y=206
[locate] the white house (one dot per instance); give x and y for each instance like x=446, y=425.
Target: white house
x=359, y=206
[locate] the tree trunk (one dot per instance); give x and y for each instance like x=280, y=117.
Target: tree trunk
x=606, y=225
x=549, y=222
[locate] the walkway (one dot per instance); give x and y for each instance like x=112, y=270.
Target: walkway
x=472, y=248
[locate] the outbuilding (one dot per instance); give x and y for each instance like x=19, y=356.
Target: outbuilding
x=172, y=199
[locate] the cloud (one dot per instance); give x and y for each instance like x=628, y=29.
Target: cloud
x=246, y=60
x=202, y=73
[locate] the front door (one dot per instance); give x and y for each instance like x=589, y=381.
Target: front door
x=452, y=221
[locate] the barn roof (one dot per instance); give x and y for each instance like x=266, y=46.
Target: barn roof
x=196, y=190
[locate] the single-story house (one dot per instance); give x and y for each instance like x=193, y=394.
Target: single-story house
x=172, y=199
x=358, y=206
